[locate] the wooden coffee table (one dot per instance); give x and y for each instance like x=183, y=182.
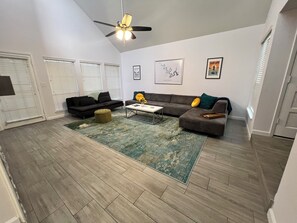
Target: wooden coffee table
x=156, y=111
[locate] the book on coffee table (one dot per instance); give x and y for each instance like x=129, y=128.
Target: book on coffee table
x=213, y=115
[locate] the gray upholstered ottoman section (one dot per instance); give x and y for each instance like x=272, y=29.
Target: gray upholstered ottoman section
x=192, y=120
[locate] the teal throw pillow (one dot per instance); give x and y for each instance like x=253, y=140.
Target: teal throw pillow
x=136, y=92
x=207, y=101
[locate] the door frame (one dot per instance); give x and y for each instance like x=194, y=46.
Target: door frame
x=28, y=57
x=285, y=83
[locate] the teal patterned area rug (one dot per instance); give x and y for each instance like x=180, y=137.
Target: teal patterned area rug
x=163, y=146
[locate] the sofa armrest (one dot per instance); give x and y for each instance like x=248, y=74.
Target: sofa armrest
x=69, y=102
x=220, y=107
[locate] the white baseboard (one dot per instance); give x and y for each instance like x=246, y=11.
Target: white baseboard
x=57, y=116
x=271, y=216
x=13, y=220
x=248, y=130
x=261, y=133
x=236, y=118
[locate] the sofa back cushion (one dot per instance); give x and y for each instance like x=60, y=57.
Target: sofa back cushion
x=159, y=97
x=182, y=99
x=136, y=92
x=104, y=97
x=207, y=101
x=76, y=100
x=148, y=96
x=87, y=101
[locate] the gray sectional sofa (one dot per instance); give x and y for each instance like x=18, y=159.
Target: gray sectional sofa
x=189, y=118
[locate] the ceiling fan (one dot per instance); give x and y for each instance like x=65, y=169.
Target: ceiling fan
x=123, y=29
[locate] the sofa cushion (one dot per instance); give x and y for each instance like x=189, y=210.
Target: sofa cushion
x=195, y=102
x=137, y=92
x=76, y=100
x=157, y=103
x=104, y=97
x=207, y=101
x=130, y=102
x=182, y=99
x=160, y=97
x=148, y=96
x=87, y=101
x=176, y=109
x=113, y=102
x=86, y=108
x=193, y=120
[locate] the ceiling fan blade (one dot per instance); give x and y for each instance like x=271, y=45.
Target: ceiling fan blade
x=110, y=34
x=141, y=28
x=133, y=36
x=104, y=23
x=127, y=19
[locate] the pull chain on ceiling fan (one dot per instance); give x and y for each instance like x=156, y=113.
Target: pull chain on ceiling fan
x=123, y=30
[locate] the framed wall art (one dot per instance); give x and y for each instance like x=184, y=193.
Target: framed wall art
x=169, y=71
x=136, y=72
x=214, y=68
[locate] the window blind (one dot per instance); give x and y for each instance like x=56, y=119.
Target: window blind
x=263, y=58
x=63, y=82
x=24, y=104
x=113, y=81
x=91, y=77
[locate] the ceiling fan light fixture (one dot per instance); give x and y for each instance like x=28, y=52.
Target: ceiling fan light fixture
x=123, y=34
x=123, y=30
x=128, y=35
x=120, y=34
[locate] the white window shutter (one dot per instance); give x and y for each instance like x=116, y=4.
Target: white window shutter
x=91, y=77
x=63, y=82
x=264, y=54
x=113, y=81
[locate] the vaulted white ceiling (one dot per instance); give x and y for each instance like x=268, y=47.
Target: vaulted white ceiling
x=174, y=20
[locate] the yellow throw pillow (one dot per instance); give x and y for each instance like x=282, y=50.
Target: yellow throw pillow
x=195, y=102
x=139, y=96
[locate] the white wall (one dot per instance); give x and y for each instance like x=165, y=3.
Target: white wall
x=56, y=28
x=282, y=44
x=284, y=209
x=240, y=49
x=275, y=8
x=7, y=210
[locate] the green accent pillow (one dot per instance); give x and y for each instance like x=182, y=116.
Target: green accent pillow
x=207, y=101
x=136, y=92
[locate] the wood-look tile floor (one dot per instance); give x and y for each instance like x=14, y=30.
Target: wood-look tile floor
x=272, y=155
x=63, y=176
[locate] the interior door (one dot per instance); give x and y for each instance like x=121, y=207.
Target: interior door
x=24, y=107
x=287, y=122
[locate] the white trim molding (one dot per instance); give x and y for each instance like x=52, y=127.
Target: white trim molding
x=13, y=220
x=271, y=216
x=236, y=118
x=64, y=114
x=261, y=133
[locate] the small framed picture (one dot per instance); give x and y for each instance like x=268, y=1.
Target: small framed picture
x=136, y=72
x=214, y=68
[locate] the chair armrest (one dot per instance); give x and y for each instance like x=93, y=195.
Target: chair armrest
x=220, y=107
